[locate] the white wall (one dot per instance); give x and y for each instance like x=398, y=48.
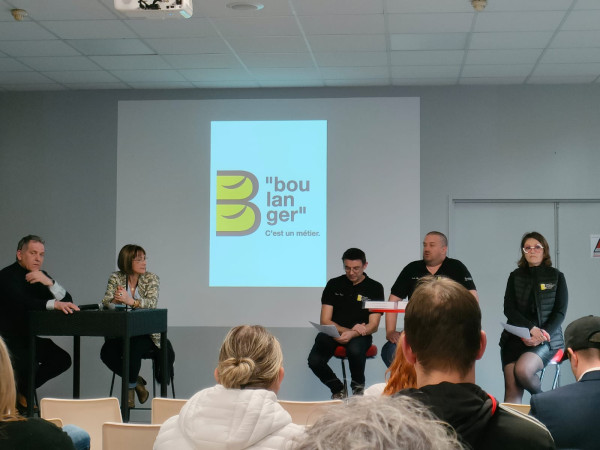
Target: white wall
x=57, y=178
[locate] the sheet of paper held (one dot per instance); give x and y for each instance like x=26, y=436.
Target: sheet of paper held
x=521, y=332
x=329, y=330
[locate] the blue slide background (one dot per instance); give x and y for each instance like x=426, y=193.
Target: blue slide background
x=273, y=255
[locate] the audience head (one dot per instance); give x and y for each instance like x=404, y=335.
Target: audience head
x=533, y=236
x=401, y=374
x=250, y=358
x=442, y=326
x=127, y=254
x=378, y=422
x=8, y=391
x=582, y=341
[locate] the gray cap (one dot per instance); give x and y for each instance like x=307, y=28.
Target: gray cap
x=583, y=333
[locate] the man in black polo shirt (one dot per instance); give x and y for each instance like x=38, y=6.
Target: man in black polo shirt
x=342, y=306
x=434, y=262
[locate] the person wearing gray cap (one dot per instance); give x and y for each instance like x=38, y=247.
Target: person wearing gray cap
x=570, y=412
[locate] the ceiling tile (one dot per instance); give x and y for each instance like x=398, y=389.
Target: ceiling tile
x=80, y=76
x=523, y=56
x=148, y=75
x=562, y=80
x=582, y=20
x=300, y=73
x=257, y=60
x=356, y=59
x=161, y=84
x=513, y=40
x=358, y=82
x=497, y=70
x=571, y=55
x=66, y=9
x=218, y=8
x=519, y=21
x=51, y=63
x=317, y=7
x=553, y=70
x=425, y=71
x=23, y=78
x=191, y=46
x=196, y=75
x=171, y=28
x=349, y=73
x=205, y=61
x=131, y=62
x=343, y=24
x=268, y=44
x=37, y=48
x=438, y=41
x=424, y=81
x=429, y=23
x=344, y=43
x=427, y=58
x=491, y=80
x=257, y=26
x=576, y=39
x=16, y=31
x=529, y=5
x=95, y=47
x=12, y=65
x=89, y=29
x=427, y=6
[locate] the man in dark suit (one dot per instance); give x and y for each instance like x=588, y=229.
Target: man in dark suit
x=570, y=412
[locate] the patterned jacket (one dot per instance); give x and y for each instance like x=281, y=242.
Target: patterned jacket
x=147, y=290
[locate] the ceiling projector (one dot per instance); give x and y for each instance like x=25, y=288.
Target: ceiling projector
x=156, y=9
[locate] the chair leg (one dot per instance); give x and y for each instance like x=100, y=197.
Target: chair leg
x=556, y=375
x=344, y=374
x=112, y=385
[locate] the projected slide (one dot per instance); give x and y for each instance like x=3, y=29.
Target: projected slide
x=268, y=203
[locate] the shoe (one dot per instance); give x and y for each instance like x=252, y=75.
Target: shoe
x=341, y=395
x=140, y=389
x=358, y=390
x=22, y=405
x=131, y=398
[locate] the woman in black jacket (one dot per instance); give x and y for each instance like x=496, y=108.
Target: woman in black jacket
x=536, y=298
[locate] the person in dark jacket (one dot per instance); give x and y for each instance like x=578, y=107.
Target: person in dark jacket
x=571, y=412
x=536, y=298
x=443, y=338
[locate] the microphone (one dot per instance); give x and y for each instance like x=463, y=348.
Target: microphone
x=89, y=307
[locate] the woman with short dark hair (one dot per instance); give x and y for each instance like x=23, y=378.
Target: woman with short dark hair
x=135, y=288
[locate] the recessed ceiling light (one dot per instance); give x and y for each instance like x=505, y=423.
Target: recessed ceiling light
x=245, y=6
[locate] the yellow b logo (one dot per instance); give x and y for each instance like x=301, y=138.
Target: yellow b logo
x=236, y=215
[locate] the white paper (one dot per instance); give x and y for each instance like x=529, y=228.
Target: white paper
x=329, y=330
x=521, y=332
x=370, y=304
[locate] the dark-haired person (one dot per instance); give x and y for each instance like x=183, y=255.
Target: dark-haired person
x=341, y=305
x=136, y=288
x=536, y=298
x=435, y=262
x=25, y=287
x=443, y=338
x=571, y=412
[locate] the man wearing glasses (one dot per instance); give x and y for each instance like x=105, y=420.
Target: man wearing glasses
x=342, y=307
x=24, y=287
x=434, y=262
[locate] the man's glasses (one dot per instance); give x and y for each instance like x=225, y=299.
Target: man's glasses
x=535, y=249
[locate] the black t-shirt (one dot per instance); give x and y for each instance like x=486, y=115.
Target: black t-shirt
x=409, y=277
x=346, y=299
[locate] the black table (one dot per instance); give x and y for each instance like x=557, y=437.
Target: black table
x=111, y=323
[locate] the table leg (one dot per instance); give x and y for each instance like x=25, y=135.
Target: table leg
x=32, y=370
x=164, y=364
x=76, y=365
x=125, y=381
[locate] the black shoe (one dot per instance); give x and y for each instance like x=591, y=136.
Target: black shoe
x=359, y=389
x=341, y=395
